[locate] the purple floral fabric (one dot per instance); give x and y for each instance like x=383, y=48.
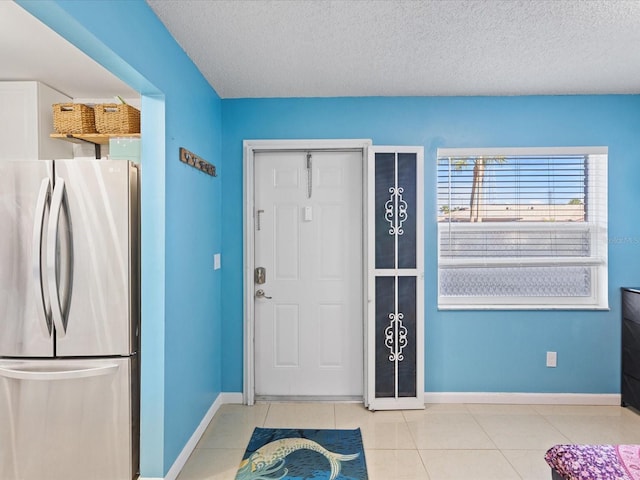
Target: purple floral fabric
x=595, y=462
x=629, y=456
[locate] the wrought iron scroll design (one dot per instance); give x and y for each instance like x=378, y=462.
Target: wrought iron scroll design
x=395, y=337
x=396, y=214
x=395, y=211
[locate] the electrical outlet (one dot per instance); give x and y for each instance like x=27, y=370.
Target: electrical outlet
x=552, y=359
x=216, y=261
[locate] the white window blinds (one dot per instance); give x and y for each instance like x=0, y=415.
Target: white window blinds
x=524, y=228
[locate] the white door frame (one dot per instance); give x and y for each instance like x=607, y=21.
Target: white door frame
x=250, y=147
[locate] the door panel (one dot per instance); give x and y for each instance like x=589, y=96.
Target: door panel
x=308, y=335
x=330, y=254
x=407, y=368
x=24, y=319
x=102, y=206
x=286, y=242
x=287, y=331
x=331, y=335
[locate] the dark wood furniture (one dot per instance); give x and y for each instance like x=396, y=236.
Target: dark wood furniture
x=630, y=381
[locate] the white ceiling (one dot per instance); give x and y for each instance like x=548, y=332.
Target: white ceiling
x=285, y=48
x=308, y=48
x=29, y=50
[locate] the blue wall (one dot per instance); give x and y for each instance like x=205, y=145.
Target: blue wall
x=466, y=351
x=181, y=214
x=185, y=363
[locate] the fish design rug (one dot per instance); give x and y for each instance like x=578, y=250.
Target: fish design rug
x=294, y=454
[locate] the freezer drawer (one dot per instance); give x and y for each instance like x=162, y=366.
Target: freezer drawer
x=68, y=419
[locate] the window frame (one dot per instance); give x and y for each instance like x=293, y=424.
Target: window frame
x=597, y=224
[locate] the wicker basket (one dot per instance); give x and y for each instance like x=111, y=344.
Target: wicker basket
x=73, y=118
x=117, y=118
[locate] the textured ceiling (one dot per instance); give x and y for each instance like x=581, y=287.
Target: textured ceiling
x=285, y=48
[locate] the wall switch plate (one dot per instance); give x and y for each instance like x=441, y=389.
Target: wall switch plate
x=552, y=359
x=216, y=261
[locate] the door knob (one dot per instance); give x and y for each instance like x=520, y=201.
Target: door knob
x=260, y=294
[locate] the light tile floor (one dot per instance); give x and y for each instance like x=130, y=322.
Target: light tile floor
x=441, y=442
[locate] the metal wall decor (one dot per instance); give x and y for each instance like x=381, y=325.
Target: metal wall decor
x=195, y=161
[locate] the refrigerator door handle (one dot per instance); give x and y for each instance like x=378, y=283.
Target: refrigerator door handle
x=56, y=373
x=38, y=226
x=58, y=201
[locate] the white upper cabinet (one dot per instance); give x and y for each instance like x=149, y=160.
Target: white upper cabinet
x=26, y=121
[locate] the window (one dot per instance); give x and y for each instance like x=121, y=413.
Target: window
x=522, y=228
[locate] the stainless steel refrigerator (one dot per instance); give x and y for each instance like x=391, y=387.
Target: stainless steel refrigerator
x=69, y=320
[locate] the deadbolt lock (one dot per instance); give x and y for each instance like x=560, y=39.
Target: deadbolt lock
x=260, y=275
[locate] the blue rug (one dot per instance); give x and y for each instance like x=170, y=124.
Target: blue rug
x=293, y=454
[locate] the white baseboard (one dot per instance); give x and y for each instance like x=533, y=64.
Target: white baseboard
x=231, y=398
x=524, y=398
x=222, y=399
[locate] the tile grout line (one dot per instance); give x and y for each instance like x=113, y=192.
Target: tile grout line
x=266, y=415
x=415, y=444
x=335, y=421
x=502, y=451
x=475, y=419
x=554, y=427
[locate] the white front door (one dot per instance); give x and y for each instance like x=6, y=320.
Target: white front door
x=308, y=239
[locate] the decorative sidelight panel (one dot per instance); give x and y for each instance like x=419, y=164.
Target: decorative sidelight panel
x=395, y=323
